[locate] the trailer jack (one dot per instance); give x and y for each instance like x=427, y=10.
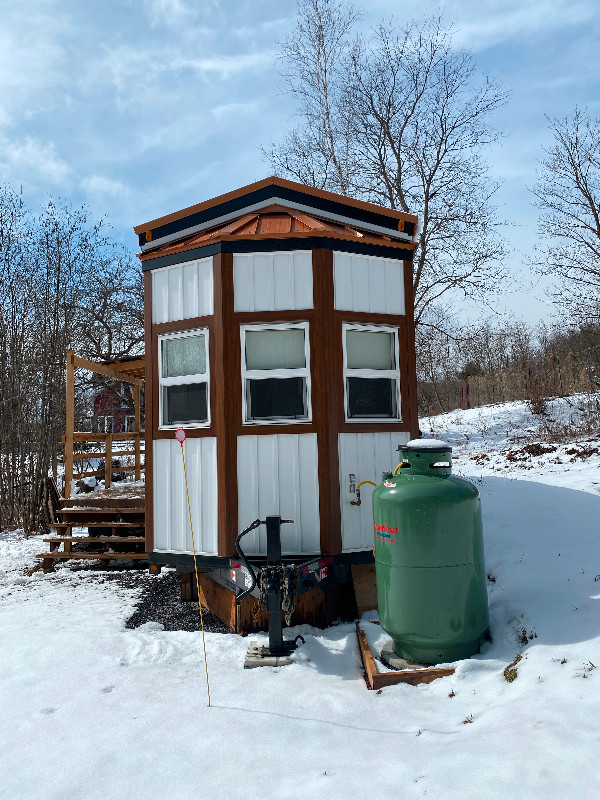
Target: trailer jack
x=276, y=584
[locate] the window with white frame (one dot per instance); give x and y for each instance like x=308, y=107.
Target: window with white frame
x=183, y=379
x=371, y=372
x=129, y=423
x=276, y=373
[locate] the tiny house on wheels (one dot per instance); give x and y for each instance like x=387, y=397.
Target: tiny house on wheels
x=279, y=334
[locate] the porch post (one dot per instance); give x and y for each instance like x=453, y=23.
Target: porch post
x=69, y=421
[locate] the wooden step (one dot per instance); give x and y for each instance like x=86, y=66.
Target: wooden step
x=91, y=501
x=95, y=511
x=90, y=555
x=103, y=539
x=109, y=524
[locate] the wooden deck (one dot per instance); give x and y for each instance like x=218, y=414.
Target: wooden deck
x=115, y=519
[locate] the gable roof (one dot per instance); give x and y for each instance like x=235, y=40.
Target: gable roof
x=214, y=217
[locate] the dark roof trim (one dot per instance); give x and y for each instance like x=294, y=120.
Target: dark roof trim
x=279, y=192
x=271, y=245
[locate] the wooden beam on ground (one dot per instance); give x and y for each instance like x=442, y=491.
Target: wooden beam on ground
x=105, y=369
x=377, y=680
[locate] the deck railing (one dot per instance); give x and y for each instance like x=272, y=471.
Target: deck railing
x=132, y=372
x=77, y=457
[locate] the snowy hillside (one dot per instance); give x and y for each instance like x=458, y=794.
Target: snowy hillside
x=92, y=709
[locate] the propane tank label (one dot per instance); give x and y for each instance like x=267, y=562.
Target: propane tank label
x=384, y=533
x=389, y=484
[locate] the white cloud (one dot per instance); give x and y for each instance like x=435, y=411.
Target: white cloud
x=231, y=111
x=101, y=185
x=483, y=25
x=32, y=59
x=34, y=160
x=177, y=13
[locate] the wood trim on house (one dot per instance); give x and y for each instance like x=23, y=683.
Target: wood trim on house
x=150, y=412
x=190, y=323
x=410, y=362
x=325, y=400
x=225, y=399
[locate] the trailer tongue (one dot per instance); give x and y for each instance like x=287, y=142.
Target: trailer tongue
x=276, y=583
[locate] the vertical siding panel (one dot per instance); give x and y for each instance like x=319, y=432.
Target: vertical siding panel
x=283, y=281
x=303, y=279
x=195, y=489
x=278, y=475
x=394, y=286
x=366, y=283
x=272, y=281
x=245, y=499
x=189, y=289
x=342, y=280
x=308, y=493
x=206, y=289
x=376, y=277
x=180, y=522
x=161, y=526
x=160, y=294
x=263, y=281
x=243, y=282
x=175, y=307
x=361, y=298
x=171, y=517
x=210, y=495
x=183, y=291
x=366, y=455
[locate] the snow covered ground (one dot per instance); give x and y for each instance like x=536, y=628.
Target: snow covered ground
x=90, y=709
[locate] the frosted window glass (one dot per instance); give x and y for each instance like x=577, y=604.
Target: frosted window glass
x=185, y=355
x=275, y=349
x=370, y=350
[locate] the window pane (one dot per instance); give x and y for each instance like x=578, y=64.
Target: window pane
x=275, y=349
x=187, y=403
x=370, y=350
x=274, y=398
x=185, y=355
x=372, y=397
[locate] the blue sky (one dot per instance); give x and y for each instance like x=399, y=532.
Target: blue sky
x=141, y=107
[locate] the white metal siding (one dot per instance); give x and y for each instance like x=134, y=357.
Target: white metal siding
x=171, y=519
x=183, y=291
x=272, y=281
x=367, y=283
x=278, y=475
x=365, y=455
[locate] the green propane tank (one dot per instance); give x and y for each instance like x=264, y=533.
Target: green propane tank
x=431, y=579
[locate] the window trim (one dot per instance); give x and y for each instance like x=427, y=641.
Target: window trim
x=182, y=380
x=393, y=374
x=263, y=374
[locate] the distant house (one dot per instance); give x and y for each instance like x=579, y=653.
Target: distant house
x=113, y=409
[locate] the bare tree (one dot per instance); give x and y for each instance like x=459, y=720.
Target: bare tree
x=63, y=284
x=568, y=196
x=399, y=118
